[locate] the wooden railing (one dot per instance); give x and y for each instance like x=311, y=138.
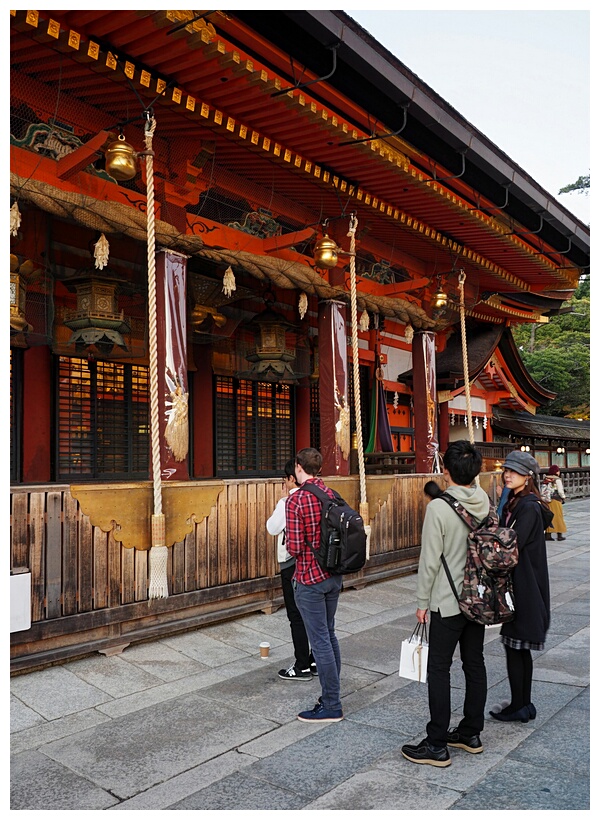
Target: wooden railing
x=89, y=592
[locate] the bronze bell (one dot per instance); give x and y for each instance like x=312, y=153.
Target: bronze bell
x=440, y=300
x=121, y=160
x=325, y=252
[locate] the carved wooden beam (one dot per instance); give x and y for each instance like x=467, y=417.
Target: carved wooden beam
x=81, y=157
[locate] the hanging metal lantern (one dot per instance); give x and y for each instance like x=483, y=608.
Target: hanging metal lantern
x=121, y=160
x=325, y=252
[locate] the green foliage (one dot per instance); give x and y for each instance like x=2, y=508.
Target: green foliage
x=581, y=185
x=557, y=355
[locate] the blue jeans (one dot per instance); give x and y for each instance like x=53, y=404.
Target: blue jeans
x=317, y=604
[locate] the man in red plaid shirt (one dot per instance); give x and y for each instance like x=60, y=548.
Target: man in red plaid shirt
x=316, y=591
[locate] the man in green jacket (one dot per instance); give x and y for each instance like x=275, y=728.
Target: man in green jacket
x=444, y=533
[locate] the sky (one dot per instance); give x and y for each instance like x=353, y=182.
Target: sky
x=521, y=77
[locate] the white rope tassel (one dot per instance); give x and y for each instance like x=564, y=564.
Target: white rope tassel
x=364, y=321
x=302, y=304
x=101, y=250
x=229, y=282
x=364, y=504
x=15, y=219
x=158, y=587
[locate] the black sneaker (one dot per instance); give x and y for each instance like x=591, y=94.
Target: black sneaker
x=319, y=714
x=424, y=752
x=472, y=744
x=313, y=669
x=295, y=674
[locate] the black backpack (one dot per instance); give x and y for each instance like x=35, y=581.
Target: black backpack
x=492, y=554
x=343, y=545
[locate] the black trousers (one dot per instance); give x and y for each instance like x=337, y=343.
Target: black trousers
x=444, y=635
x=299, y=636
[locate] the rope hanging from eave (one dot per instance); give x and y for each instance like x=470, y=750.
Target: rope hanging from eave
x=159, y=553
x=463, y=335
x=364, y=504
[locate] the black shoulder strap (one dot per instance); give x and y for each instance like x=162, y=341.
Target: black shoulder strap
x=458, y=508
x=319, y=493
x=449, y=577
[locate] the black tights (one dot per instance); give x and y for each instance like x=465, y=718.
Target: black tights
x=519, y=665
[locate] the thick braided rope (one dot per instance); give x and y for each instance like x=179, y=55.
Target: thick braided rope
x=158, y=587
x=463, y=334
x=152, y=320
x=364, y=506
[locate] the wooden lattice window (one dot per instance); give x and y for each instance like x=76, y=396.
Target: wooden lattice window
x=254, y=426
x=103, y=420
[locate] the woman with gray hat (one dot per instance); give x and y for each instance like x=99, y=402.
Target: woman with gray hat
x=529, y=516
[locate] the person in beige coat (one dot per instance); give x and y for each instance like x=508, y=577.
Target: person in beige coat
x=444, y=533
x=553, y=493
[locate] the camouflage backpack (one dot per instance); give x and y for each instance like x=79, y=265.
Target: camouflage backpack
x=492, y=554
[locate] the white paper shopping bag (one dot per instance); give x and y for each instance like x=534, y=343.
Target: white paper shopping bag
x=414, y=654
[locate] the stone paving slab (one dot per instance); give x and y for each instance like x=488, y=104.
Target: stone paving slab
x=22, y=717
x=377, y=790
x=562, y=745
x=39, y=735
x=38, y=783
x=189, y=782
x=114, y=675
x=315, y=765
x=160, y=660
x=568, y=662
x=147, y=747
x=242, y=792
x=518, y=785
x=56, y=692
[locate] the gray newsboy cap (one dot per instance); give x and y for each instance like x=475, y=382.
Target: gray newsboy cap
x=521, y=463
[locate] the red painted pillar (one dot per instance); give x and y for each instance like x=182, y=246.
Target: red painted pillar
x=425, y=402
x=171, y=268
x=37, y=401
x=203, y=465
x=334, y=407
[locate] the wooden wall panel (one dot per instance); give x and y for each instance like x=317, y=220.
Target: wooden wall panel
x=53, y=554
x=100, y=564
x=19, y=542
x=37, y=555
x=69, y=554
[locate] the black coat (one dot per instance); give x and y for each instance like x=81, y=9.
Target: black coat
x=531, y=583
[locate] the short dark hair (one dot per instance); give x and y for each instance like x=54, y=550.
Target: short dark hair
x=310, y=460
x=463, y=461
x=289, y=471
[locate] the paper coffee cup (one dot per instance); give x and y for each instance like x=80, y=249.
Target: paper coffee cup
x=264, y=647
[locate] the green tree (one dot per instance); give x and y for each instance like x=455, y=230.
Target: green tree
x=557, y=355
x=581, y=185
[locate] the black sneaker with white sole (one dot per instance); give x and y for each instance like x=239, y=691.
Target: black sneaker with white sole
x=313, y=669
x=471, y=744
x=424, y=752
x=295, y=674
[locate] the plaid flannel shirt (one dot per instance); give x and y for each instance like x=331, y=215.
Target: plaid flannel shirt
x=303, y=518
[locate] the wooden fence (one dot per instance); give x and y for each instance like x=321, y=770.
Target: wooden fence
x=89, y=592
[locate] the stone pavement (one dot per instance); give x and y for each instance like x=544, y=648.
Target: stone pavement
x=199, y=721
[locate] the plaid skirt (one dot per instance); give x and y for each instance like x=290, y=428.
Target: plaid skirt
x=515, y=643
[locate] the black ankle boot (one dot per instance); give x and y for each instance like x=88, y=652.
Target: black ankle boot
x=549, y=537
